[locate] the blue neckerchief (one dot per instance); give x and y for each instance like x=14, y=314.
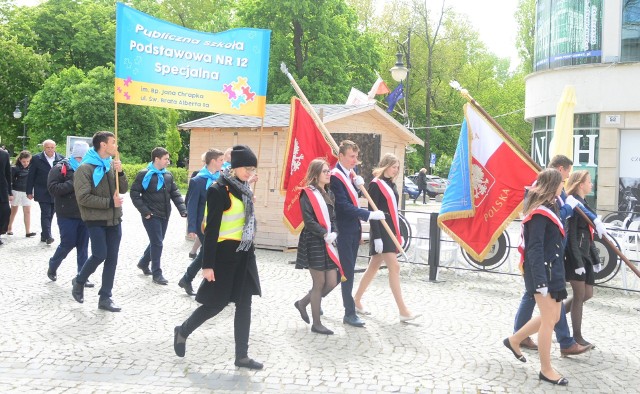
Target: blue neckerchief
x=102, y=165
x=153, y=170
x=226, y=165
x=74, y=164
x=205, y=173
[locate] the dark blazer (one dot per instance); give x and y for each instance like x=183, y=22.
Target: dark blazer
x=543, y=255
x=153, y=201
x=60, y=186
x=233, y=270
x=195, y=205
x=580, y=249
x=38, y=176
x=348, y=216
x=377, y=231
x=312, y=251
x=5, y=176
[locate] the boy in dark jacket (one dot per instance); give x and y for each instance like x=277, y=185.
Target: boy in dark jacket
x=73, y=232
x=151, y=193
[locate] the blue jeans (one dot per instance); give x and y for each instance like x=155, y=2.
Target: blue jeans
x=156, y=229
x=105, y=245
x=525, y=311
x=348, y=252
x=47, y=209
x=73, y=234
x=196, y=264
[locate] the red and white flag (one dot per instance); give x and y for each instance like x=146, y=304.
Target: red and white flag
x=306, y=142
x=487, y=185
x=379, y=87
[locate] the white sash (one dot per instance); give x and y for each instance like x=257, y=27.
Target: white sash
x=387, y=192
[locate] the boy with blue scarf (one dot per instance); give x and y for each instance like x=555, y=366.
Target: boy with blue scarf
x=151, y=193
x=101, y=210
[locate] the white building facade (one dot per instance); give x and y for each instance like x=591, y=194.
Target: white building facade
x=593, y=45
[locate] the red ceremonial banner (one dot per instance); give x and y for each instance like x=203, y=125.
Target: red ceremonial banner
x=306, y=142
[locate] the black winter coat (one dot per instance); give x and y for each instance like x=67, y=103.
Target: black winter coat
x=312, y=251
x=60, y=186
x=19, y=176
x=233, y=270
x=421, y=180
x=156, y=202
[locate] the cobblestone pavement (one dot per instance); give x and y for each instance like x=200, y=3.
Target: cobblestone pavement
x=51, y=343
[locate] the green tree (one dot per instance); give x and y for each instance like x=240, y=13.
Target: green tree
x=526, y=19
x=173, y=142
x=22, y=72
x=320, y=42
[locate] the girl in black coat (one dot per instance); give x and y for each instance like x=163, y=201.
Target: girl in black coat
x=382, y=249
x=543, y=266
x=316, y=250
x=581, y=257
x=229, y=261
x=19, y=175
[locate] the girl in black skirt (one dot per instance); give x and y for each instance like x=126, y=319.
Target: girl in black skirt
x=316, y=250
x=581, y=259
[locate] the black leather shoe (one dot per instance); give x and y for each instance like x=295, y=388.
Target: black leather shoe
x=108, y=305
x=52, y=275
x=160, y=280
x=322, y=330
x=186, y=285
x=353, y=320
x=145, y=268
x=248, y=363
x=77, y=291
x=179, y=342
x=560, y=382
x=303, y=312
x=88, y=284
x=50, y=241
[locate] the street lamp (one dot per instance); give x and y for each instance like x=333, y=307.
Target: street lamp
x=18, y=114
x=400, y=73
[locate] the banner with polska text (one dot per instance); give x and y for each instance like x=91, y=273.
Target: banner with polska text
x=161, y=64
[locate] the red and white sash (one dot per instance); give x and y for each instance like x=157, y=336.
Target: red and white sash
x=321, y=211
x=392, y=203
x=546, y=212
x=347, y=184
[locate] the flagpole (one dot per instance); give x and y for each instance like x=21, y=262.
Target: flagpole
x=115, y=129
x=334, y=146
x=465, y=93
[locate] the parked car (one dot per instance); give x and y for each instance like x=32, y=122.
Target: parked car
x=410, y=188
x=435, y=184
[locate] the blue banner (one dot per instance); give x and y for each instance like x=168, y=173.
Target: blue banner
x=165, y=65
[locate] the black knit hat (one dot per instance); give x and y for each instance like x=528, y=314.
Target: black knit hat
x=242, y=156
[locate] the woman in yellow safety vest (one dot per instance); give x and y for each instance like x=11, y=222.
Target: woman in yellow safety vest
x=229, y=260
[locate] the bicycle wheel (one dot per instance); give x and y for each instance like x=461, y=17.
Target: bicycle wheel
x=610, y=261
x=615, y=219
x=498, y=254
x=405, y=231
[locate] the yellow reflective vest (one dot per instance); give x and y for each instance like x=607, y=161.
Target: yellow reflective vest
x=232, y=221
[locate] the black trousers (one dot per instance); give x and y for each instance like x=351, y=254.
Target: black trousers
x=241, y=323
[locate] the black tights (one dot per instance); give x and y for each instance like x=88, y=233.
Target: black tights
x=323, y=283
x=241, y=323
x=581, y=293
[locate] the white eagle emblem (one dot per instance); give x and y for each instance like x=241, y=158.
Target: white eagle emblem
x=296, y=158
x=482, y=181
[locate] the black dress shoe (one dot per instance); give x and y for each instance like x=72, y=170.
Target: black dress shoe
x=322, y=330
x=179, y=342
x=560, y=382
x=88, y=284
x=507, y=344
x=145, y=268
x=29, y=235
x=186, y=285
x=248, y=363
x=77, y=290
x=303, y=312
x=108, y=305
x=353, y=320
x=49, y=241
x=52, y=274
x=160, y=280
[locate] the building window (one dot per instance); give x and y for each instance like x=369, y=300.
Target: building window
x=630, y=51
x=567, y=33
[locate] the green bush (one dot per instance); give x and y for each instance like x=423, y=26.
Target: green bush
x=179, y=174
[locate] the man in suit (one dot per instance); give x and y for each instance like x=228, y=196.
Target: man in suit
x=344, y=184
x=5, y=191
x=41, y=164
